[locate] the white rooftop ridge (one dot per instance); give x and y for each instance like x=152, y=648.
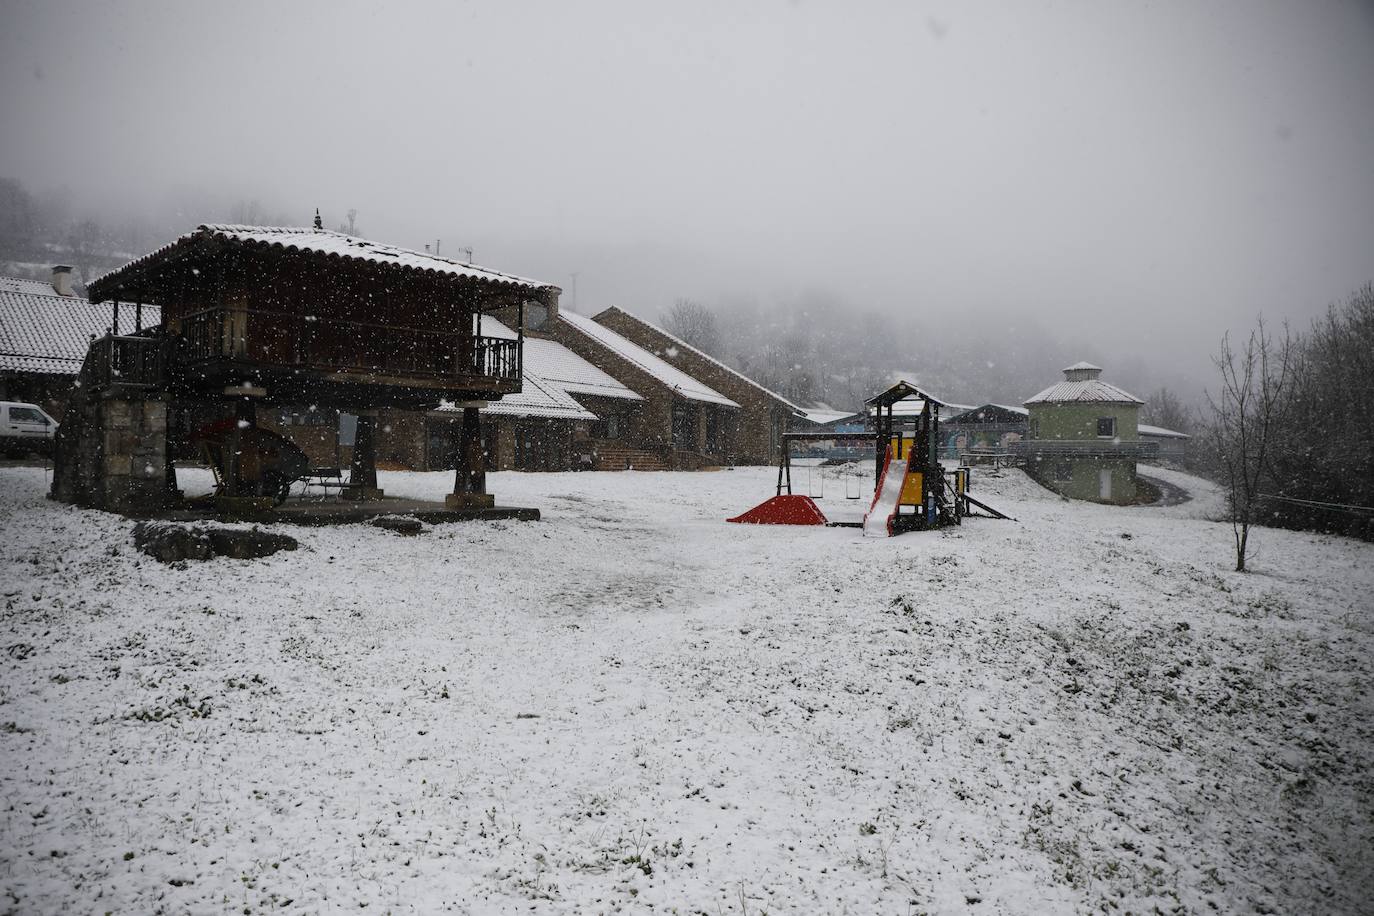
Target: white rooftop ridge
x=668, y=374
x=1082, y=385
x=704, y=355
x=335, y=244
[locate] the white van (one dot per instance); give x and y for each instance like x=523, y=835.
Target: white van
x=25, y=428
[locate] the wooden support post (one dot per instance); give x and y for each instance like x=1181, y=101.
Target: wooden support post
x=138, y=317
x=470, y=478
x=363, y=473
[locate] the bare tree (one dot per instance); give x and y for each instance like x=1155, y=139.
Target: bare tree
x=1166, y=409
x=350, y=227
x=695, y=324
x=1243, y=423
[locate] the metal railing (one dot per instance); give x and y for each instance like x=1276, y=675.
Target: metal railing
x=1084, y=448
x=282, y=338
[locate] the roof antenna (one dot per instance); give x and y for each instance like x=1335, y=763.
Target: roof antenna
x=319, y=223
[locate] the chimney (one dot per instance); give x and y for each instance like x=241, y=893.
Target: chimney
x=62, y=280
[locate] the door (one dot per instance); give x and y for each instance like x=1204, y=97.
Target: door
x=1104, y=484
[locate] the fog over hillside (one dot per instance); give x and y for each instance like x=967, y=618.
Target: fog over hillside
x=976, y=196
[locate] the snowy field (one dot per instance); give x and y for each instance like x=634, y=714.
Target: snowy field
x=631, y=706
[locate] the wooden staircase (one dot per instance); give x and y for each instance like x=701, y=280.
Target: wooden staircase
x=619, y=458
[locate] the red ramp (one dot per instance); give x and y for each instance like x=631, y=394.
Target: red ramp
x=787, y=509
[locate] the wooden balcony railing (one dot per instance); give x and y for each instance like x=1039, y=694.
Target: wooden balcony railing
x=308, y=341
x=125, y=362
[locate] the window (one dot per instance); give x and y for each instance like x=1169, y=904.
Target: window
x=1106, y=427
x=27, y=415
x=612, y=427
x=1062, y=470
x=1034, y=429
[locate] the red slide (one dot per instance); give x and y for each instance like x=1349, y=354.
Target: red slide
x=787, y=509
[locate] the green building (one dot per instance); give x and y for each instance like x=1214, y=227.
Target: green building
x=1083, y=440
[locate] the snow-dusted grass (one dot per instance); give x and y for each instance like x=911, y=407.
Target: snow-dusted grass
x=632, y=706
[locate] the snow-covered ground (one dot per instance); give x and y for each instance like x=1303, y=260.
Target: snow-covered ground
x=631, y=706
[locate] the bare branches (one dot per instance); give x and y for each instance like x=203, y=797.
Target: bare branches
x=695, y=324
x=1245, y=411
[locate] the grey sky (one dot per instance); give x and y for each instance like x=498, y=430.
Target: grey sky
x=1141, y=174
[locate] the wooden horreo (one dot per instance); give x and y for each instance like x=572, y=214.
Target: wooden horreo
x=255, y=316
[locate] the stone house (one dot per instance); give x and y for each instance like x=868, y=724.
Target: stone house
x=681, y=422
x=750, y=435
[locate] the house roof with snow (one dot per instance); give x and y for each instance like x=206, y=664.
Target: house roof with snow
x=682, y=346
x=127, y=282
x=1081, y=385
x=991, y=414
x=1159, y=432
x=909, y=400
x=671, y=376
x=44, y=333
x=537, y=398
x=822, y=417
x=555, y=363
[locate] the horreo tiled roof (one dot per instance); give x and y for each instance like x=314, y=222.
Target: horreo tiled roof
x=316, y=241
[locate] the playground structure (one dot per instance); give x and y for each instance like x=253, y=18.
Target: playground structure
x=912, y=490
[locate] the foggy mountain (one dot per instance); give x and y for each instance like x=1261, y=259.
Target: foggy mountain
x=976, y=197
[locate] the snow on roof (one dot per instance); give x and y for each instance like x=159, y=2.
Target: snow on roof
x=45, y=333
x=28, y=287
x=976, y=414
x=1159, y=432
x=677, y=341
x=324, y=242
x=572, y=373
x=1082, y=385
x=558, y=365
x=1083, y=391
x=669, y=375
x=827, y=416
x=537, y=398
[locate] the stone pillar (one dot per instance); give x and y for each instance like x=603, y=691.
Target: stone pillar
x=363, y=474
x=470, y=480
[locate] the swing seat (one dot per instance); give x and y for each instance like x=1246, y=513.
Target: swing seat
x=787, y=509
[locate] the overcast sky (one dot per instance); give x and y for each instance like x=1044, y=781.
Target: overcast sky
x=1140, y=174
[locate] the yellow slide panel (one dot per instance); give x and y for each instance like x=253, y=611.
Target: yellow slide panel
x=911, y=489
